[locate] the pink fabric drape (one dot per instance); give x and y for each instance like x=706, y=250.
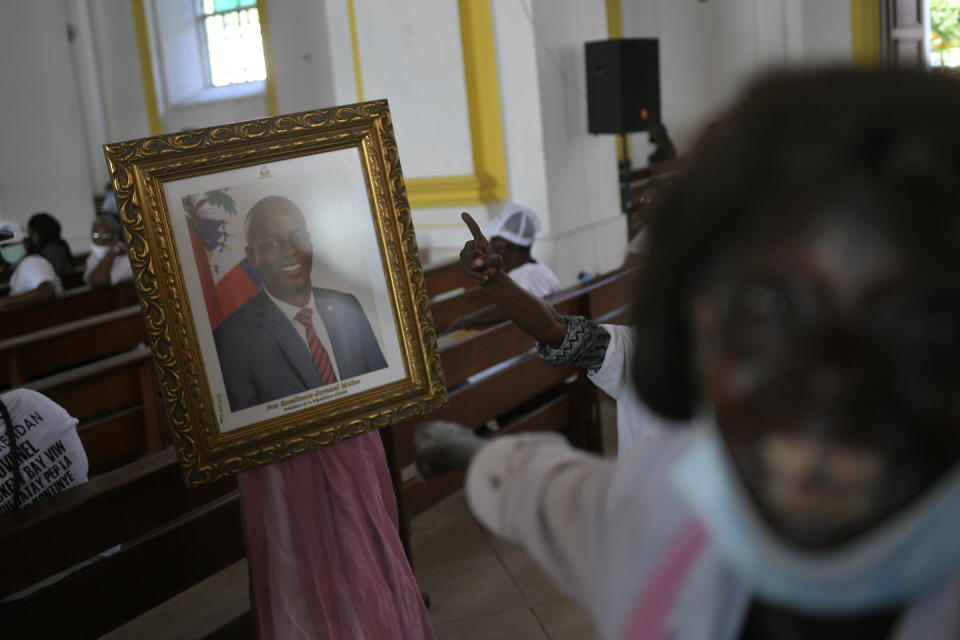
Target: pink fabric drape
x=324, y=551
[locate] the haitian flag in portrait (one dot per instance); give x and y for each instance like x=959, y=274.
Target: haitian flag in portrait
x=227, y=277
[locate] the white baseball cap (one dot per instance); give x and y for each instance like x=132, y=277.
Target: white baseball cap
x=516, y=224
x=14, y=227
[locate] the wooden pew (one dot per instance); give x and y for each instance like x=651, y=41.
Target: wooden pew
x=443, y=277
x=572, y=407
x=445, y=311
x=72, y=280
x=452, y=295
x=117, y=403
x=47, y=351
x=171, y=538
x=74, y=304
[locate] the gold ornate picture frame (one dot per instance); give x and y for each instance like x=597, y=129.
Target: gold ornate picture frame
x=230, y=231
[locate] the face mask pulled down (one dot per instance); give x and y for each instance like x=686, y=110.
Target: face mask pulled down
x=916, y=549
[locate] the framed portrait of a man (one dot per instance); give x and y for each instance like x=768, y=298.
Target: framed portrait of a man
x=278, y=271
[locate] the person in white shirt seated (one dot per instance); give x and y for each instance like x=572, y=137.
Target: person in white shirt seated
x=107, y=263
x=33, y=278
x=511, y=237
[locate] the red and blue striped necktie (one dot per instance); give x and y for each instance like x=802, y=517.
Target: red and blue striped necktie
x=320, y=358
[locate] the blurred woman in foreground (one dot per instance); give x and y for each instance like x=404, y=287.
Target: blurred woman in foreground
x=800, y=310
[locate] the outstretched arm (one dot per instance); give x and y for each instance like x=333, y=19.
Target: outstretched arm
x=535, y=317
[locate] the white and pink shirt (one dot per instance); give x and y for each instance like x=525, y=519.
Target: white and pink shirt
x=618, y=537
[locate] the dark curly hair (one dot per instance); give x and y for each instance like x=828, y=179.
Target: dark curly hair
x=46, y=227
x=795, y=141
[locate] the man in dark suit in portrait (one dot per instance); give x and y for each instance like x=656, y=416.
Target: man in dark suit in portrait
x=291, y=336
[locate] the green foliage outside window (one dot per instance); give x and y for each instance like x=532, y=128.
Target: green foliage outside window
x=944, y=31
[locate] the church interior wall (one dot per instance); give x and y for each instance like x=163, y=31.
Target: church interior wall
x=80, y=94
x=581, y=168
x=44, y=164
x=710, y=50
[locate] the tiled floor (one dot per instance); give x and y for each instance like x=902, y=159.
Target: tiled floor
x=485, y=589
x=481, y=588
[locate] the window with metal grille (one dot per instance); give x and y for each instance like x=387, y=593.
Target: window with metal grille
x=234, y=46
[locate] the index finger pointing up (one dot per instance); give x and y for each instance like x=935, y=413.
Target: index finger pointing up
x=478, y=236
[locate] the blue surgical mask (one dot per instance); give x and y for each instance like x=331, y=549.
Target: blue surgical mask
x=887, y=566
x=13, y=253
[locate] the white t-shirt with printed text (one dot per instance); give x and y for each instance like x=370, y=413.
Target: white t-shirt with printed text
x=601, y=528
x=51, y=456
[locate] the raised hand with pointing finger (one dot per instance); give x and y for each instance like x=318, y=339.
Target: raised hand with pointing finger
x=481, y=263
x=478, y=261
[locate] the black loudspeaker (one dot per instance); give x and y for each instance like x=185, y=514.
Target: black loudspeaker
x=623, y=85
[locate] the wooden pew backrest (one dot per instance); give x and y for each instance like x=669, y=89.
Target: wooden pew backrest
x=116, y=401
x=73, y=304
x=443, y=277
x=46, y=351
x=171, y=537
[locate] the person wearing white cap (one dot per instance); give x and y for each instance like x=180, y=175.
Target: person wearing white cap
x=510, y=239
x=605, y=351
x=33, y=277
x=511, y=235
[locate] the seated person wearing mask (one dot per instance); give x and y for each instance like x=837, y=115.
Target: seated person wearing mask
x=107, y=263
x=33, y=278
x=511, y=237
x=809, y=337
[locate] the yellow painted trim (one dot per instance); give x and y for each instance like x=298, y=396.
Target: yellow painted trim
x=865, y=32
x=451, y=191
x=355, y=46
x=483, y=101
x=146, y=67
x=488, y=183
x=614, y=19
x=615, y=30
x=271, y=85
